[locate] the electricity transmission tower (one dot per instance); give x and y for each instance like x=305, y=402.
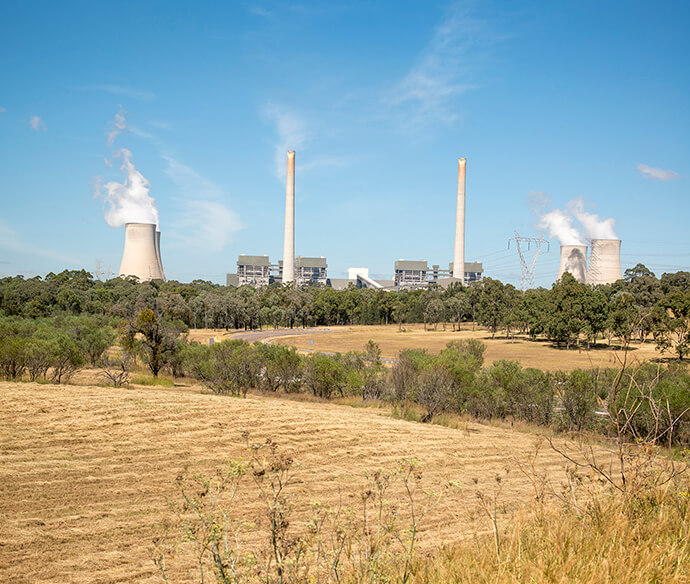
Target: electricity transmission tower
x=101, y=271
x=527, y=277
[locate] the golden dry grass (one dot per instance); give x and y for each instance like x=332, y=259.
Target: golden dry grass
x=86, y=471
x=541, y=355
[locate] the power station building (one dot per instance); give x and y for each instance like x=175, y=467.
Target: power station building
x=411, y=274
x=253, y=270
x=311, y=270
x=257, y=270
x=473, y=271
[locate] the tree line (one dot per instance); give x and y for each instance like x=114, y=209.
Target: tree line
x=654, y=399
x=640, y=306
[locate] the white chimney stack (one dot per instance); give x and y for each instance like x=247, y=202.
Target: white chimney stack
x=289, y=243
x=140, y=258
x=459, y=255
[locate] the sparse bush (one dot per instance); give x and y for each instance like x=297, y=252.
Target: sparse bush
x=325, y=376
x=373, y=540
x=282, y=367
x=230, y=367
x=117, y=369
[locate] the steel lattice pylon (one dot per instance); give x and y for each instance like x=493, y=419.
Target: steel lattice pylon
x=527, y=277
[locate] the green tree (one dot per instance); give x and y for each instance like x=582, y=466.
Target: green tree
x=152, y=338
x=673, y=314
x=565, y=310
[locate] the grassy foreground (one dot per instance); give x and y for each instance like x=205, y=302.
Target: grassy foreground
x=88, y=475
x=87, y=472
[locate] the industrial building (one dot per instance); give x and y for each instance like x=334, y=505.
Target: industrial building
x=311, y=270
x=253, y=270
x=411, y=274
x=258, y=271
x=473, y=271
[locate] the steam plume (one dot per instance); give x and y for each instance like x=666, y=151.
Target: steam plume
x=560, y=225
x=129, y=201
x=116, y=126
x=596, y=228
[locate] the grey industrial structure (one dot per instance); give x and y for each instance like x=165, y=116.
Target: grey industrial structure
x=253, y=270
x=258, y=270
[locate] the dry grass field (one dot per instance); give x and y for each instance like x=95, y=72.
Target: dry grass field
x=86, y=471
x=541, y=355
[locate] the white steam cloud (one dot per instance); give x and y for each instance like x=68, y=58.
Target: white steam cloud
x=559, y=222
x=595, y=227
x=560, y=225
x=129, y=201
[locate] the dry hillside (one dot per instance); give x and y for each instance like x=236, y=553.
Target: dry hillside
x=85, y=472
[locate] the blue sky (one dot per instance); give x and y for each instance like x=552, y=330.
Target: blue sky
x=566, y=99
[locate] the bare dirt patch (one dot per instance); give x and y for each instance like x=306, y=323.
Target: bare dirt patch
x=85, y=472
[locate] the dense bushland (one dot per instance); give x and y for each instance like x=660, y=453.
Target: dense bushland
x=638, y=307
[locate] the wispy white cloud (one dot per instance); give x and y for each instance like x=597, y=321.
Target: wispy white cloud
x=188, y=181
x=140, y=133
x=258, y=10
x=656, y=173
x=36, y=123
x=12, y=240
x=206, y=224
x=2, y=110
x=427, y=93
x=141, y=94
x=204, y=221
x=291, y=134
x=161, y=125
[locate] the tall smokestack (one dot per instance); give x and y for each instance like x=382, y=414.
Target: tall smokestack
x=459, y=255
x=574, y=261
x=139, y=257
x=289, y=244
x=605, y=262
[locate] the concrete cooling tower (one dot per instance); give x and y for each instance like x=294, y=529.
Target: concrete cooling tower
x=141, y=257
x=158, y=253
x=605, y=262
x=574, y=261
